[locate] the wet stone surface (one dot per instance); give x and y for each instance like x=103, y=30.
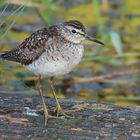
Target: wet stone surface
x=21, y=117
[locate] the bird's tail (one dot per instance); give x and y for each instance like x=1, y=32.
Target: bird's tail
x=1, y=58
x=1, y=55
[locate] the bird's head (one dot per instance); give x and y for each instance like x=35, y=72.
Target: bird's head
x=74, y=31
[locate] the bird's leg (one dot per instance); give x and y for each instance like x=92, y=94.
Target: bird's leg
x=58, y=107
x=46, y=114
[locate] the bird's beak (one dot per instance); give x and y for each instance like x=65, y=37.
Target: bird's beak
x=93, y=40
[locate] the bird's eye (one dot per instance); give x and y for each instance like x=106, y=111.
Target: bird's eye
x=73, y=31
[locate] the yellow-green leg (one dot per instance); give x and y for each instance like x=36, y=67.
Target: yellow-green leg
x=46, y=114
x=59, y=109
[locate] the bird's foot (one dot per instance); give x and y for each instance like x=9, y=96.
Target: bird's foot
x=60, y=111
x=48, y=117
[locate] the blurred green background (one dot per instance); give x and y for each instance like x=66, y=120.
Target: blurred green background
x=109, y=74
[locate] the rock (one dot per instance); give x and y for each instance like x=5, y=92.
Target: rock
x=93, y=121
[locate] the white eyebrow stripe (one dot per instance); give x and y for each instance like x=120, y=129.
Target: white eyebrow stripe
x=69, y=28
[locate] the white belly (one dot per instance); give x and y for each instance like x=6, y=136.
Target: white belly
x=49, y=68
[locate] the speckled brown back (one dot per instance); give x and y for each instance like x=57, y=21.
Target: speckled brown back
x=30, y=49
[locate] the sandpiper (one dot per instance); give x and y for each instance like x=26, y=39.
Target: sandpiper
x=51, y=52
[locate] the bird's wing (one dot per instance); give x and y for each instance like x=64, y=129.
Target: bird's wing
x=30, y=49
